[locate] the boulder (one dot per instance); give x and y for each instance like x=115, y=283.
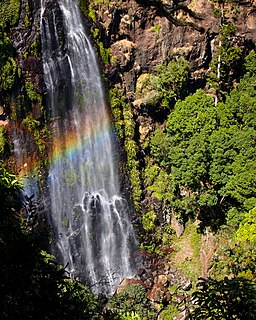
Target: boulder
x=157, y=293
x=177, y=226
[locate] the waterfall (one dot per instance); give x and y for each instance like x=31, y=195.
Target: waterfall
x=92, y=227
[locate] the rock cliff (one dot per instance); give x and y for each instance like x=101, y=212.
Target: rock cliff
x=133, y=38
x=141, y=36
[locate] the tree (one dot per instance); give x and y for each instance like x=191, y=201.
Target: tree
x=171, y=80
x=8, y=66
x=225, y=67
x=225, y=299
x=131, y=299
x=209, y=154
x=247, y=228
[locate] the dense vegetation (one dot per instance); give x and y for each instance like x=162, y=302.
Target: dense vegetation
x=32, y=285
x=197, y=164
x=200, y=165
x=209, y=154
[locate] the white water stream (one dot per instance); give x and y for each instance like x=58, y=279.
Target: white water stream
x=92, y=227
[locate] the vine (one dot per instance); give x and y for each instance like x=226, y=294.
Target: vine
x=125, y=128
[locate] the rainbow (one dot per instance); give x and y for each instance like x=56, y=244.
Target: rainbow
x=62, y=147
x=69, y=145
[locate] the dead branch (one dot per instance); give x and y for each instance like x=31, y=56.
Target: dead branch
x=168, y=10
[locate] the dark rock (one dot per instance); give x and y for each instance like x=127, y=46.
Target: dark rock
x=140, y=272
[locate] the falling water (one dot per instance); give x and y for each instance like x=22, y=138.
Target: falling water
x=93, y=232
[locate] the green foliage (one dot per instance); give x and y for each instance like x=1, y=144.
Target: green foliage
x=129, y=123
x=8, y=182
x=208, y=155
x=30, y=123
x=78, y=301
x=148, y=221
x=9, y=13
x=159, y=146
x=125, y=129
x=232, y=146
x=131, y=300
x=224, y=299
x=40, y=134
x=117, y=104
x=196, y=114
x=232, y=168
x=33, y=50
x=83, y=4
x=131, y=149
x=101, y=1
x=136, y=185
x=32, y=94
x=172, y=79
x=9, y=187
x=8, y=73
x=250, y=64
x=182, y=151
x=33, y=285
x=225, y=67
x=104, y=52
x=151, y=173
x=160, y=91
x=146, y=82
x=92, y=14
x=8, y=66
x=129, y=316
x=234, y=257
x=162, y=185
x=27, y=18
x=171, y=311
x=156, y=29
x=247, y=228
x=228, y=53
x=2, y=140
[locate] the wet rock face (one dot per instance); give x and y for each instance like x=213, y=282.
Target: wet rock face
x=154, y=38
x=123, y=51
x=140, y=37
x=26, y=35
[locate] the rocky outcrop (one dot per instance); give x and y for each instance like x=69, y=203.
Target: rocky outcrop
x=154, y=38
x=143, y=34
x=207, y=251
x=26, y=41
x=164, y=284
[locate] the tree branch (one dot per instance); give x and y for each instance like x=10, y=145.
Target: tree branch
x=168, y=11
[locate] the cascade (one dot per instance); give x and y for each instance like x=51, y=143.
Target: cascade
x=91, y=222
